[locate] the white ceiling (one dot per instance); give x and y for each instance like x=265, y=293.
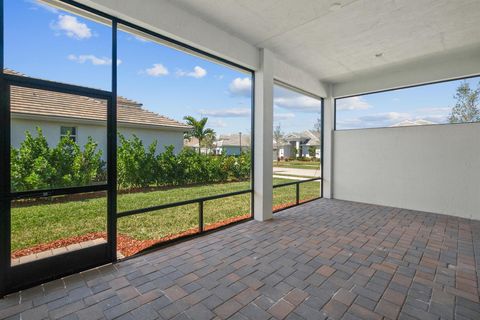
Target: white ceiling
x=338, y=40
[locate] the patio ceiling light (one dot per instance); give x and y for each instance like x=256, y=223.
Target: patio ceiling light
x=335, y=6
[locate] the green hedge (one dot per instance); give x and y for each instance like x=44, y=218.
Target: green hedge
x=141, y=166
x=35, y=165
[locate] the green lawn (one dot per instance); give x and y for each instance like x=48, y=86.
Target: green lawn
x=42, y=223
x=314, y=165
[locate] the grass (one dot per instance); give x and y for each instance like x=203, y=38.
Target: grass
x=314, y=165
x=42, y=223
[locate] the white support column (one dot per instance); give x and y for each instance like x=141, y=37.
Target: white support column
x=328, y=127
x=263, y=118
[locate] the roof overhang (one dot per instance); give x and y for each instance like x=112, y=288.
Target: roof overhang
x=95, y=122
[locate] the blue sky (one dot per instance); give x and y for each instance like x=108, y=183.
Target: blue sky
x=52, y=44
x=430, y=102
x=48, y=43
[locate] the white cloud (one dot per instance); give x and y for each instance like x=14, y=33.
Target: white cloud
x=241, y=87
x=227, y=113
x=283, y=116
x=157, y=70
x=37, y=4
x=386, y=116
x=435, y=110
x=141, y=39
x=197, y=73
x=384, y=119
x=70, y=26
x=219, y=76
x=387, y=119
x=438, y=118
x=96, y=61
x=433, y=114
x=353, y=103
x=299, y=103
x=217, y=123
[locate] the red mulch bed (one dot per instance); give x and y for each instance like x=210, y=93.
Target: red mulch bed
x=126, y=245
x=288, y=205
x=283, y=206
x=57, y=244
x=222, y=223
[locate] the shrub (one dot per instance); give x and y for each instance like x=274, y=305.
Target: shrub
x=37, y=166
x=34, y=165
x=135, y=163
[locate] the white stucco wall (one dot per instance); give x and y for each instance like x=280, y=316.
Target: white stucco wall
x=163, y=137
x=427, y=168
x=51, y=130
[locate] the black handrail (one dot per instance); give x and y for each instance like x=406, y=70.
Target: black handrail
x=57, y=192
x=295, y=182
x=182, y=203
x=297, y=189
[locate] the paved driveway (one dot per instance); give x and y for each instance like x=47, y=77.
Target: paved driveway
x=296, y=172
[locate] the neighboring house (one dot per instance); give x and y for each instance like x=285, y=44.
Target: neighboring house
x=231, y=145
x=407, y=123
x=281, y=149
x=193, y=143
x=58, y=114
x=297, y=145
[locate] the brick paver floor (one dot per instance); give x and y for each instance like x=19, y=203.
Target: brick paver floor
x=325, y=259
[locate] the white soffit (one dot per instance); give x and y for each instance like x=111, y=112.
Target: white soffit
x=341, y=40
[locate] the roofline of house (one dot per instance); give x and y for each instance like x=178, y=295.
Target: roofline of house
x=25, y=116
x=234, y=145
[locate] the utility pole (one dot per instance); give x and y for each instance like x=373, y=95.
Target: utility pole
x=240, y=133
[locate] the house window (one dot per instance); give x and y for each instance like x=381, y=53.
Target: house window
x=68, y=132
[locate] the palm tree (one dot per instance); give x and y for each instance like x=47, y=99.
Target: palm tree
x=198, y=130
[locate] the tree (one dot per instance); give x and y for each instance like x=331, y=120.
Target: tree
x=317, y=126
x=199, y=131
x=294, y=152
x=467, y=107
x=277, y=136
x=312, y=151
x=209, y=141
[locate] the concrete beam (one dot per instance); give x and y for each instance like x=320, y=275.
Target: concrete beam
x=453, y=65
x=297, y=78
x=167, y=19
x=263, y=155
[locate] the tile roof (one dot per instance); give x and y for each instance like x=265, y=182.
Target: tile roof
x=312, y=137
x=406, y=123
x=233, y=140
x=38, y=102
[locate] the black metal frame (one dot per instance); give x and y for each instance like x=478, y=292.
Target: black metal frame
x=323, y=145
x=297, y=191
x=200, y=201
x=28, y=274
x=322, y=115
x=394, y=89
